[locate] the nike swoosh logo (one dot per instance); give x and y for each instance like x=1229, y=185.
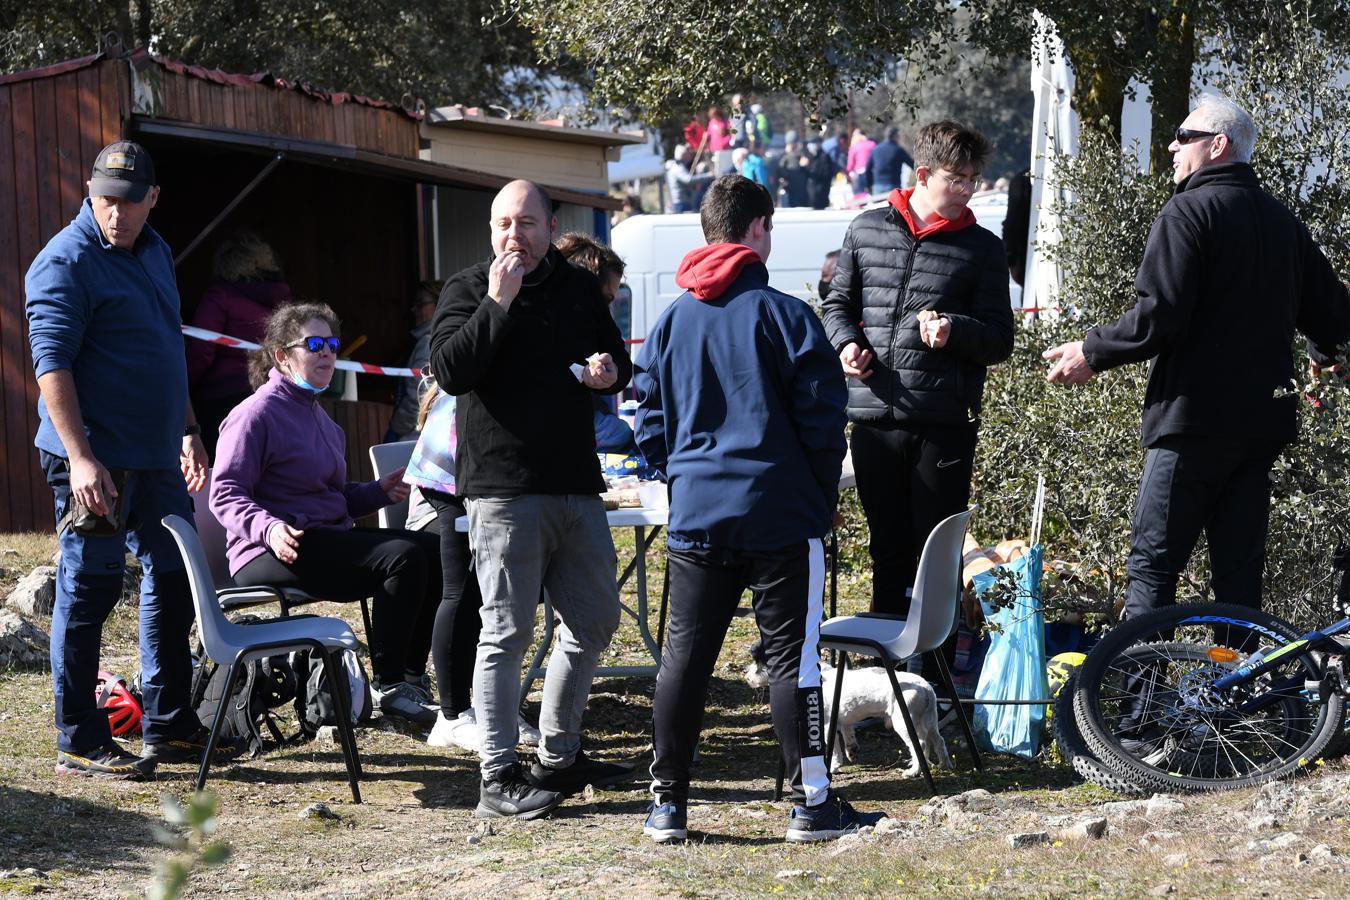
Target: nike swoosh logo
x=944, y=463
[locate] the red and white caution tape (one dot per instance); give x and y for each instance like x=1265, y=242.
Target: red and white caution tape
x=347, y=365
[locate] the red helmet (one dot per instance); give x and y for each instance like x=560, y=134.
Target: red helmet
x=123, y=707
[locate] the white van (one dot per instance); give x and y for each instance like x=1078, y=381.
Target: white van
x=651, y=247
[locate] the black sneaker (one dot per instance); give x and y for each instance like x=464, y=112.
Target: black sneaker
x=109, y=761
x=1150, y=747
x=189, y=749
x=509, y=795
x=829, y=820
x=667, y=823
x=406, y=701
x=581, y=772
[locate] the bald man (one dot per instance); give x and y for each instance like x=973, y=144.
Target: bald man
x=526, y=340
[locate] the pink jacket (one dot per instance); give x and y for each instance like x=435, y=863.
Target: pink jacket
x=238, y=309
x=858, y=154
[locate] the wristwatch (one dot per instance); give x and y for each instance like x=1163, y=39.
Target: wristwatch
x=192, y=429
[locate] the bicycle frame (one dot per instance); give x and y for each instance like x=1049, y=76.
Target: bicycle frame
x=1320, y=639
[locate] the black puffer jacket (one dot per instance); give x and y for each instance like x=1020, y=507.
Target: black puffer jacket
x=883, y=279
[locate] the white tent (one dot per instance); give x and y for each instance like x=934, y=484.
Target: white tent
x=1054, y=132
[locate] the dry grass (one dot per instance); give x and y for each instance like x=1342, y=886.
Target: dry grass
x=415, y=836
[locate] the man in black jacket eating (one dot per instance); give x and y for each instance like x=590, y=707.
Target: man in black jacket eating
x=1228, y=275
x=524, y=341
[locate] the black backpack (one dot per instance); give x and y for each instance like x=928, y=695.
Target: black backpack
x=264, y=685
x=314, y=702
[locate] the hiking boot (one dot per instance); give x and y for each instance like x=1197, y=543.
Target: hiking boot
x=508, y=795
x=667, y=823
x=404, y=701
x=109, y=761
x=581, y=772
x=190, y=749
x=826, y=821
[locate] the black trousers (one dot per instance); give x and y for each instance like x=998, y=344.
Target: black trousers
x=909, y=480
x=788, y=589
x=400, y=569
x=1194, y=484
x=454, y=636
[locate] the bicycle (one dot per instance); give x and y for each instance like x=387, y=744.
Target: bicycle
x=1211, y=696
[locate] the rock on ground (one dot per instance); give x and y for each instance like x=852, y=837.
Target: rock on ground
x=1028, y=839
x=23, y=645
x=35, y=594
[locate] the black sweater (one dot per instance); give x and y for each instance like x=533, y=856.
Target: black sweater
x=1227, y=276
x=524, y=422
x=883, y=280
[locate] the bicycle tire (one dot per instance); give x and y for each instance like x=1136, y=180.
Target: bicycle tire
x=1075, y=751
x=1202, y=744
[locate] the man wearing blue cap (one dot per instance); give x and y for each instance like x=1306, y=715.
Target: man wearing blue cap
x=120, y=447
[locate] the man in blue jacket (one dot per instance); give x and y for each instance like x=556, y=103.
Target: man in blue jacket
x=115, y=429
x=742, y=409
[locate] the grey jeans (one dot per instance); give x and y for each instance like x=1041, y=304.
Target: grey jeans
x=562, y=544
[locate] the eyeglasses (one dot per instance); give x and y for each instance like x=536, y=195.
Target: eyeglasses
x=315, y=344
x=1186, y=135
x=961, y=184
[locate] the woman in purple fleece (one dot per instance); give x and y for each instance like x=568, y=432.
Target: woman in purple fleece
x=280, y=489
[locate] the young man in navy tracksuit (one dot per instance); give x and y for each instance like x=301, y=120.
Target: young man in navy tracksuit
x=742, y=409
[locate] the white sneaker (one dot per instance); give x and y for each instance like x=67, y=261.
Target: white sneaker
x=442, y=731
x=463, y=732
x=529, y=735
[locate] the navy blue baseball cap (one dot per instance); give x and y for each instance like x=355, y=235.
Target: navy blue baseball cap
x=123, y=169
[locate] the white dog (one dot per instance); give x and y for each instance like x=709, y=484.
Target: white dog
x=867, y=694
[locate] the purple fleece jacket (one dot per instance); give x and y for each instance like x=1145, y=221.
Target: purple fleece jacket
x=280, y=459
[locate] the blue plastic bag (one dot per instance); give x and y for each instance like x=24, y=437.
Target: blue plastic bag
x=1014, y=668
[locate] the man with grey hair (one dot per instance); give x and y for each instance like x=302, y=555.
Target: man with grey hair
x=1228, y=276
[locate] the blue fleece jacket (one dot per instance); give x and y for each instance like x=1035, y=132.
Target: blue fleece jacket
x=742, y=408
x=111, y=317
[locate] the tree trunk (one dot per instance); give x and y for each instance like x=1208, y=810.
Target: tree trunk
x=1171, y=84
x=1098, y=91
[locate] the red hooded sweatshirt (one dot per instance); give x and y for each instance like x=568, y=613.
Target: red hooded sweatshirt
x=708, y=271
x=900, y=200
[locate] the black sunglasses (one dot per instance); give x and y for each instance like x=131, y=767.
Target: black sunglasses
x=315, y=344
x=1186, y=135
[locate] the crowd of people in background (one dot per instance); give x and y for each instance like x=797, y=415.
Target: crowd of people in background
x=832, y=167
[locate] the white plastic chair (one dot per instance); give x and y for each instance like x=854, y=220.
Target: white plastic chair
x=894, y=639
x=229, y=644
x=385, y=458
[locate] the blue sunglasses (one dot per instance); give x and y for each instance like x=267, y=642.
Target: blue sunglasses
x=315, y=344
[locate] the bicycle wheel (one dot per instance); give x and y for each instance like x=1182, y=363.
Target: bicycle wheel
x=1075, y=750
x=1146, y=706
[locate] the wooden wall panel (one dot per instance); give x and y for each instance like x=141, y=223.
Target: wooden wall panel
x=11, y=316
x=72, y=172
x=18, y=364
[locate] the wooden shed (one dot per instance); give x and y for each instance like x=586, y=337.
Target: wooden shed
x=337, y=184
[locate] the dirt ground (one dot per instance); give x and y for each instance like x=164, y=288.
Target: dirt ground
x=415, y=835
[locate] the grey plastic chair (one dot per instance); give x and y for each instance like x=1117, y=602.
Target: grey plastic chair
x=212, y=535
x=385, y=458
x=896, y=639
x=229, y=644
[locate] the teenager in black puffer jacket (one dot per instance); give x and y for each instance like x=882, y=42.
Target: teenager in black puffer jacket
x=918, y=308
